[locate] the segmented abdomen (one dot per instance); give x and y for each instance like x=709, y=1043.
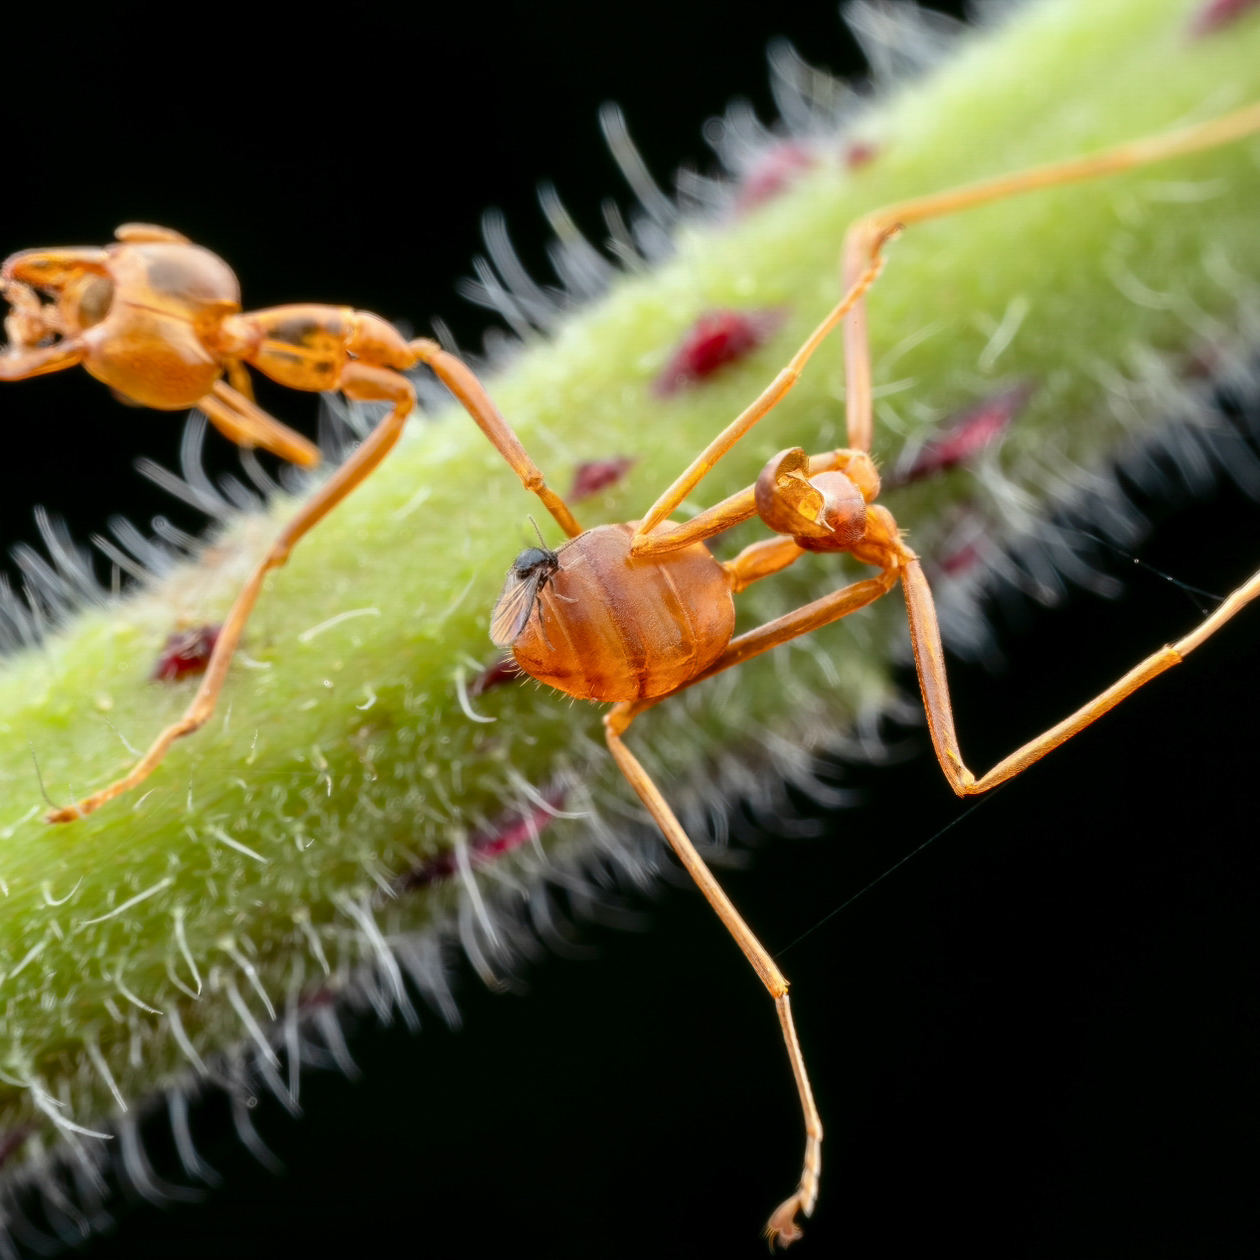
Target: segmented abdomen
x=610, y=628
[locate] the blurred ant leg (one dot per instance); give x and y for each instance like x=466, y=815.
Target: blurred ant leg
x=782, y=1223
x=241, y=421
x=24, y=364
x=766, y=400
x=239, y=378
x=929, y=658
x=358, y=380
x=461, y=381
x=874, y=227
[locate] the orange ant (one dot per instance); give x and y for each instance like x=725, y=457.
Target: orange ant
x=159, y=320
x=634, y=613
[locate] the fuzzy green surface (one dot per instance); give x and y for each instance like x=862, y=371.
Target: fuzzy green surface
x=346, y=758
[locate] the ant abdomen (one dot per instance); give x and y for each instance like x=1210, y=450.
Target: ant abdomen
x=610, y=628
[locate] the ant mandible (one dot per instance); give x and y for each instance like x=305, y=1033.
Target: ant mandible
x=159, y=320
x=634, y=613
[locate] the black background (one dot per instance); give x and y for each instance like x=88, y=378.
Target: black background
x=1035, y=1039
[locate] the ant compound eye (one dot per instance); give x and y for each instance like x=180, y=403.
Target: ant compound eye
x=94, y=298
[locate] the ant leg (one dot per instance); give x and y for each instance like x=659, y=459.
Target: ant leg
x=460, y=380
x=782, y=1225
x=239, y=378
x=240, y=420
x=20, y=365
x=760, y=560
x=929, y=659
x=358, y=380
x=767, y=399
x=865, y=234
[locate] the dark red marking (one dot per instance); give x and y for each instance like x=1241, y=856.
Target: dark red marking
x=502, y=671
x=858, y=154
x=321, y=995
x=1212, y=15
x=13, y=1141
x=511, y=832
x=965, y=545
x=186, y=653
x=714, y=341
x=967, y=433
x=598, y=474
x=774, y=171
x=961, y=559
x=1204, y=362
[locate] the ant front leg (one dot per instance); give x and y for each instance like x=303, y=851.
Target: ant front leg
x=235, y=414
x=21, y=365
x=864, y=237
x=782, y=1226
x=929, y=659
x=359, y=381
x=463, y=383
x=769, y=398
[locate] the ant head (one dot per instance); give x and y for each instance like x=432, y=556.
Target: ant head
x=826, y=512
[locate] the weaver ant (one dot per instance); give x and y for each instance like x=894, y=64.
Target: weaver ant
x=632, y=614
x=159, y=320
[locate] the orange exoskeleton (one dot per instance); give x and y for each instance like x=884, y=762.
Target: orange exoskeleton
x=632, y=614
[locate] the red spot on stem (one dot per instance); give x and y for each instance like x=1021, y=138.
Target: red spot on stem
x=502, y=671
x=966, y=545
x=957, y=562
x=968, y=432
x=186, y=653
x=715, y=340
x=773, y=172
x=1212, y=15
x=13, y=1141
x=598, y=474
x=510, y=832
x=858, y=154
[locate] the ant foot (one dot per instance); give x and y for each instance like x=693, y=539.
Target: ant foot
x=781, y=1229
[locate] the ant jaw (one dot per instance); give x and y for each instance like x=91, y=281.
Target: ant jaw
x=823, y=513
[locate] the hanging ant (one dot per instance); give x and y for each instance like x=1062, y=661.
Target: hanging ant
x=159, y=320
x=638, y=612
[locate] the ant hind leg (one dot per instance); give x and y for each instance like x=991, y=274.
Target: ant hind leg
x=782, y=1227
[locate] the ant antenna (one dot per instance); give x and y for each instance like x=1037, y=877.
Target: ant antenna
x=538, y=531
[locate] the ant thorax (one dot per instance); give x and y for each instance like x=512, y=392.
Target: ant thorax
x=610, y=628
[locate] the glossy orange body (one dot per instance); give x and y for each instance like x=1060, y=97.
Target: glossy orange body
x=159, y=320
x=307, y=346
x=610, y=628
x=143, y=311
